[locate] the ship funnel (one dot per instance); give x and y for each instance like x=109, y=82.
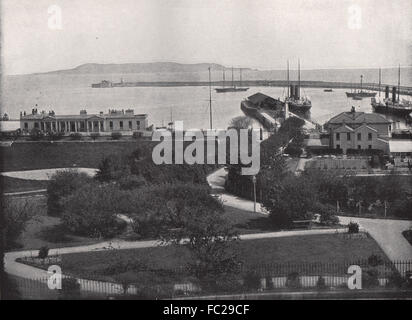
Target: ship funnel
x=387, y=92
x=292, y=91
x=297, y=92
x=394, y=94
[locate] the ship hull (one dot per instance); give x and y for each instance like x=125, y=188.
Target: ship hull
x=362, y=94
x=223, y=90
x=387, y=109
x=299, y=107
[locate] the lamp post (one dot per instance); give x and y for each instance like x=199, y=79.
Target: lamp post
x=254, y=193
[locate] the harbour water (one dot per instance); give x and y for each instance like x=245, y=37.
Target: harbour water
x=68, y=95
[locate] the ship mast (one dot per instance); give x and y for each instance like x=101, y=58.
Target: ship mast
x=288, y=78
x=210, y=100
x=399, y=80
x=380, y=78
x=240, y=71
x=224, y=80
x=298, y=91
x=361, y=78
x=233, y=83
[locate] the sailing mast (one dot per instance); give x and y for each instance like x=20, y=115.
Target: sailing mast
x=380, y=78
x=361, y=78
x=288, y=79
x=399, y=80
x=240, y=71
x=210, y=100
x=233, y=83
x=298, y=91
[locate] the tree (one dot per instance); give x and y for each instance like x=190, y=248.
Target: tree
x=62, y=184
x=241, y=122
x=291, y=199
x=188, y=212
x=91, y=211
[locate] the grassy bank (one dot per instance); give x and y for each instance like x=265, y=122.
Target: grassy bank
x=9, y=184
x=42, y=155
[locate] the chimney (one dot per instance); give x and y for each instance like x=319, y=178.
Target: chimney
x=394, y=94
x=387, y=92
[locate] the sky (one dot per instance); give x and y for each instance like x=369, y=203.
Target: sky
x=260, y=34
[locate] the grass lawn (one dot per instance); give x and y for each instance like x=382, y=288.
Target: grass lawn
x=43, y=230
x=43, y=155
x=330, y=249
x=10, y=184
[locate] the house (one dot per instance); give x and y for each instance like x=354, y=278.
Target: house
x=359, y=130
x=124, y=121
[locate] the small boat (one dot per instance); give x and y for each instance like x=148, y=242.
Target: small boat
x=360, y=93
x=357, y=98
x=327, y=90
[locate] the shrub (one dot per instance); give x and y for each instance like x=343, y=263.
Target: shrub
x=293, y=280
x=375, y=260
x=94, y=135
x=76, y=136
x=353, y=227
x=62, y=184
x=70, y=288
x=251, y=280
x=36, y=134
x=116, y=135
x=137, y=135
x=395, y=280
x=53, y=136
x=327, y=215
x=43, y=252
x=293, y=150
x=370, y=278
x=321, y=283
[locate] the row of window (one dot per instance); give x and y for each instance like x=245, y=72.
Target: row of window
x=359, y=146
x=37, y=125
x=348, y=136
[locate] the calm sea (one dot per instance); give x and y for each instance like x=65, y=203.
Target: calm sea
x=68, y=94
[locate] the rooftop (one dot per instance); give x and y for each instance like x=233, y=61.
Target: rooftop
x=355, y=117
x=259, y=97
x=35, y=115
x=400, y=145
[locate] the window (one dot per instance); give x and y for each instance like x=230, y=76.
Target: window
x=121, y=124
x=111, y=125
x=130, y=125
x=359, y=136
x=338, y=146
x=101, y=126
x=338, y=136
x=26, y=125
x=36, y=125
x=348, y=136
x=369, y=136
x=359, y=147
x=138, y=124
x=370, y=146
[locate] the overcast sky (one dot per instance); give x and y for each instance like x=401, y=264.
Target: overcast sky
x=257, y=33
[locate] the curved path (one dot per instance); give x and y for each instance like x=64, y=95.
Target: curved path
x=385, y=232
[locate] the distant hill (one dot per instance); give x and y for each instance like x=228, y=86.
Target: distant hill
x=172, y=71
x=153, y=67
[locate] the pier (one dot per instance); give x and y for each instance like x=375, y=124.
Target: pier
x=404, y=90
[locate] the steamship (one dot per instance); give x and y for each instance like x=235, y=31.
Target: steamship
x=401, y=108
x=233, y=88
x=297, y=104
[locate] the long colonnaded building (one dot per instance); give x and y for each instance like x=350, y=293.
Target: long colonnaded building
x=123, y=121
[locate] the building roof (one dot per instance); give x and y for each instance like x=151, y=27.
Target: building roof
x=344, y=128
x=83, y=116
x=358, y=118
x=259, y=97
x=400, y=146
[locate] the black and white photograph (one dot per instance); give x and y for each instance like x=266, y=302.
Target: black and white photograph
x=220, y=150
